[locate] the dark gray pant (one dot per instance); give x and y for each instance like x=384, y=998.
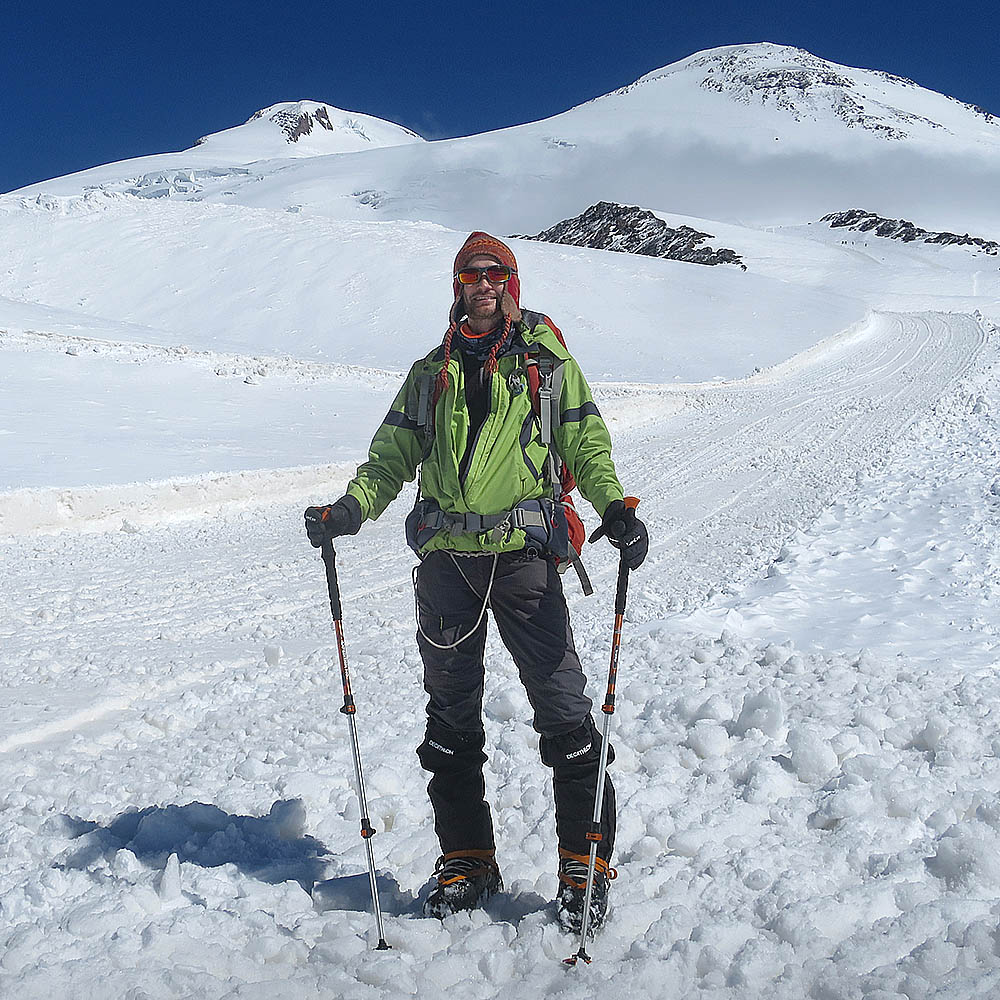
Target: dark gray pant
x=530, y=611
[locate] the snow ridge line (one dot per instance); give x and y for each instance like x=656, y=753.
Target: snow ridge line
x=93, y=713
x=101, y=710
x=250, y=367
x=851, y=336
x=126, y=507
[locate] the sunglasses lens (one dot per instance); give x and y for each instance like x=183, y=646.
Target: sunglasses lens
x=473, y=275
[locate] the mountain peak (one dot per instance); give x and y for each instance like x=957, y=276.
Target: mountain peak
x=765, y=68
x=298, y=118
x=309, y=128
x=797, y=84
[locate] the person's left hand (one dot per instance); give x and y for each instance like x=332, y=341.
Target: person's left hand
x=625, y=532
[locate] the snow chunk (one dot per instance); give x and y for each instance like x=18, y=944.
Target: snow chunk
x=506, y=704
x=686, y=843
x=170, y=880
x=813, y=759
x=931, y=737
x=708, y=739
x=715, y=709
x=968, y=857
x=763, y=711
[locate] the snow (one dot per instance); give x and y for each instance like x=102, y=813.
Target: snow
x=806, y=739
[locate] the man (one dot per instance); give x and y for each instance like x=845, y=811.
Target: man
x=489, y=527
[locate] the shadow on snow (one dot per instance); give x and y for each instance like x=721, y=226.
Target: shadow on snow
x=271, y=848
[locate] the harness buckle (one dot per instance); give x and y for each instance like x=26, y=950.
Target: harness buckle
x=504, y=526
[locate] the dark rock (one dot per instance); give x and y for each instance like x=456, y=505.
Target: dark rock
x=899, y=229
x=629, y=229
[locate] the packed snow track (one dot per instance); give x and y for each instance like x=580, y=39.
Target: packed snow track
x=740, y=465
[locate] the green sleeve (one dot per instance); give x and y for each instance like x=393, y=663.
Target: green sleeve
x=393, y=457
x=584, y=442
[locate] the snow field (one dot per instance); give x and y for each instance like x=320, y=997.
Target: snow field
x=171, y=414
x=874, y=567
x=249, y=281
x=728, y=478
x=801, y=821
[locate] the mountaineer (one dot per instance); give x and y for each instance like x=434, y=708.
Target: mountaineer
x=499, y=421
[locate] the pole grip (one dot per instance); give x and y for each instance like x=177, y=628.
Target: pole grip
x=330, y=560
x=621, y=592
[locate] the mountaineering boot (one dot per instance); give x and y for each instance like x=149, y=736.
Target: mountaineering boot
x=465, y=880
x=573, y=891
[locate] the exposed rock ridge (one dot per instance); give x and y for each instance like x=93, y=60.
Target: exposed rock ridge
x=745, y=77
x=630, y=229
x=296, y=124
x=805, y=86
x=899, y=229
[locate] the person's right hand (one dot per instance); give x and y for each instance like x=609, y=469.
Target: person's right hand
x=333, y=520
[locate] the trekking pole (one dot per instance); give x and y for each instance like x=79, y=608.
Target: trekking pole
x=608, y=708
x=367, y=830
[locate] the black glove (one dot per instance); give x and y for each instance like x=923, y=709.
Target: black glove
x=340, y=518
x=625, y=532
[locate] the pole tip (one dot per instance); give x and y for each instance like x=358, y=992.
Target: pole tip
x=382, y=946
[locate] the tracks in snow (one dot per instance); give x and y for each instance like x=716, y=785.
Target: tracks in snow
x=744, y=464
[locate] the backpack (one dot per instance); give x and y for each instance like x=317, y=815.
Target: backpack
x=544, y=389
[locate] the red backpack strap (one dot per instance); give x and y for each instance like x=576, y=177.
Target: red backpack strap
x=555, y=329
x=534, y=381
x=560, y=477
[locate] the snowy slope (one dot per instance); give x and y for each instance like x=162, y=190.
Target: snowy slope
x=778, y=801
x=254, y=281
x=759, y=134
x=194, y=346
x=302, y=128
x=283, y=131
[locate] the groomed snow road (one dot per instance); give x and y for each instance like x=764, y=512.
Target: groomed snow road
x=175, y=774
x=741, y=464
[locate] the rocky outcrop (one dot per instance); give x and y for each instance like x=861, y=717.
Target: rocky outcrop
x=899, y=229
x=296, y=126
x=298, y=120
x=807, y=88
x=629, y=229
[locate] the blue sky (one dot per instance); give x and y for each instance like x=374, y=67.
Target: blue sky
x=89, y=83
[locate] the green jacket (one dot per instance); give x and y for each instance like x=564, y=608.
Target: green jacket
x=508, y=462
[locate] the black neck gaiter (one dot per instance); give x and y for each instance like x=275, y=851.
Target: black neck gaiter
x=478, y=347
